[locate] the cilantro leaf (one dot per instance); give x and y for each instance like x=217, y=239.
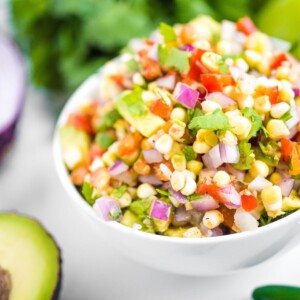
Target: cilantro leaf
x=104, y=140
x=246, y=156
x=189, y=153
x=268, y=152
x=163, y=192
x=119, y=192
x=255, y=119
x=174, y=58
x=286, y=116
x=108, y=120
x=215, y=121
x=87, y=192
x=167, y=32
x=196, y=112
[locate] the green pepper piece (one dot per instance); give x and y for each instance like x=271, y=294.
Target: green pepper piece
x=276, y=292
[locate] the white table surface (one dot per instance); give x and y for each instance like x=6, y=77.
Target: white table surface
x=29, y=184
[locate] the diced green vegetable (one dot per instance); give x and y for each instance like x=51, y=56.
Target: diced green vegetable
x=246, y=156
x=108, y=120
x=104, y=140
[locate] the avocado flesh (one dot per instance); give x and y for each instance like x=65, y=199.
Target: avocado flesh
x=30, y=256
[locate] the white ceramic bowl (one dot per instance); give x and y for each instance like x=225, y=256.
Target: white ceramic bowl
x=205, y=257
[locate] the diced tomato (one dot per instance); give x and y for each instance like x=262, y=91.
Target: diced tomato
x=246, y=25
x=271, y=91
x=78, y=175
x=249, y=202
x=100, y=178
x=209, y=188
x=80, y=121
x=228, y=215
x=196, y=66
x=150, y=68
x=166, y=127
x=286, y=148
x=278, y=60
x=129, y=143
x=149, y=42
x=141, y=167
x=161, y=108
x=295, y=161
x=95, y=151
x=187, y=34
x=216, y=82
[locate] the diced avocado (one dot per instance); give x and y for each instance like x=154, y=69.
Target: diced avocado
x=291, y=203
x=30, y=265
x=104, y=140
x=129, y=219
x=75, y=145
x=161, y=226
x=141, y=207
x=131, y=107
x=108, y=120
x=175, y=231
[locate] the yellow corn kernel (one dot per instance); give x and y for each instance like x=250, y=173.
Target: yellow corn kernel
x=272, y=200
x=242, y=64
x=145, y=145
x=258, y=41
x=279, y=109
x=248, y=178
x=213, y=218
x=179, y=113
x=193, y=232
x=109, y=158
x=224, y=47
x=207, y=136
x=175, y=149
x=283, y=73
x=145, y=190
x=221, y=178
x=264, y=67
x=177, y=180
x=164, y=144
x=176, y=131
x=286, y=94
x=277, y=129
x=194, y=166
x=228, y=138
x=201, y=147
x=246, y=86
x=209, y=106
x=275, y=178
x=245, y=101
x=262, y=104
x=289, y=203
x=231, y=91
x=189, y=187
x=259, y=167
x=253, y=58
x=202, y=44
x=240, y=126
x=211, y=61
x=233, y=113
x=179, y=162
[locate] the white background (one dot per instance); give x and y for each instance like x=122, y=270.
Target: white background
x=92, y=269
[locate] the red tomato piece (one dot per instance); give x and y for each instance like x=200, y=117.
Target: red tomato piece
x=161, y=108
x=150, y=68
x=129, y=143
x=95, y=151
x=286, y=148
x=80, y=121
x=278, y=60
x=246, y=25
x=196, y=67
x=249, y=202
x=216, y=82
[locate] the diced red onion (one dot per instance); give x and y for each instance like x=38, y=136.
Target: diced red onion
x=152, y=156
x=239, y=175
x=160, y=210
x=205, y=203
x=295, y=118
x=186, y=95
x=167, y=82
x=217, y=231
x=229, y=153
x=196, y=217
x=205, y=231
x=232, y=199
x=202, y=92
x=228, y=30
x=212, y=159
x=220, y=98
x=296, y=92
x=177, y=197
x=286, y=186
x=152, y=179
x=127, y=178
x=186, y=47
x=181, y=216
x=117, y=168
x=245, y=221
x=153, y=52
x=108, y=209
x=236, y=72
x=259, y=183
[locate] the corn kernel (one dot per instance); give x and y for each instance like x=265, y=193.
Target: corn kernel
x=277, y=129
x=275, y=178
x=148, y=97
x=221, y=178
x=259, y=167
x=245, y=101
x=164, y=144
x=145, y=190
x=125, y=200
x=279, y=109
x=207, y=136
x=193, y=232
x=233, y=113
x=253, y=58
x=138, y=79
x=189, y=187
x=179, y=113
x=109, y=158
x=242, y=64
x=283, y=73
x=211, y=61
x=178, y=162
x=209, y=106
x=272, y=200
x=201, y=147
x=202, y=44
x=258, y=41
x=177, y=180
x=213, y=218
x=246, y=85
x=286, y=94
x=224, y=47
x=240, y=126
x=176, y=131
x=194, y=166
x=228, y=138
x=262, y=104
x=248, y=178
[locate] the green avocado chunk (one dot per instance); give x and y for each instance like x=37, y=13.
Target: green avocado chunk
x=30, y=265
x=129, y=219
x=131, y=107
x=276, y=292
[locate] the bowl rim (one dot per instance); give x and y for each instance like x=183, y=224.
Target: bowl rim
x=86, y=90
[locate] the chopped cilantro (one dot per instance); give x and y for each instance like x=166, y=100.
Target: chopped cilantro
x=194, y=197
x=163, y=192
x=167, y=32
x=189, y=153
x=87, y=192
x=108, y=120
x=246, y=156
x=286, y=116
x=104, y=140
x=215, y=121
x=119, y=192
x=268, y=152
x=174, y=58
x=196, y=112
x=255, y=119
x=265, y=131
x=133, y=102
x=115, y=214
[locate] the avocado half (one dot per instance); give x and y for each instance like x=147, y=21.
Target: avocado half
x=30, y=262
